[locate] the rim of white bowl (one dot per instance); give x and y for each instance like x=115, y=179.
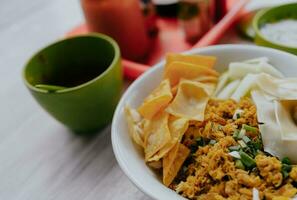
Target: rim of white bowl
x=117, y=151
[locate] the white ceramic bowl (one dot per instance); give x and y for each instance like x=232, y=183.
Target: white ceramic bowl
x=130, y=157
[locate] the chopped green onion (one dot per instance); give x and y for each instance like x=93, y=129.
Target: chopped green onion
x=242, y=144
x=246, y=139
x=239, y=164
x=212, y=142
x=247, y=160
x=237, y=114
x=250, y=150
x=257, y=144
x=234, y=154
x=235, y=134
x=286, y=160
x=220, y=127
x=250, y=128
x=241, y=133
x=234, y=148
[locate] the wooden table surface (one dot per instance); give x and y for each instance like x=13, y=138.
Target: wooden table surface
x=39, y=158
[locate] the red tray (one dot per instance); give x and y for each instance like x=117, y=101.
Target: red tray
x=170, y=31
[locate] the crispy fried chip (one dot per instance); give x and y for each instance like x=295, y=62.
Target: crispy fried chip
x=157, y=100
x=177, y=70
x=173, y=161
x=206, y=79
x=190, y=100
x=134, y=122
x=155, y=164
x=157, y=134
x=207, y=61
x=174, y=90
x=177, y=128
x=202, y=79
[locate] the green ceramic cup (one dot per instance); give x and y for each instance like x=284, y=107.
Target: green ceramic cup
x=89, y=68
x=271, y=15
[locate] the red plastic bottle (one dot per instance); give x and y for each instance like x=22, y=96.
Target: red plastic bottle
x=123, y=21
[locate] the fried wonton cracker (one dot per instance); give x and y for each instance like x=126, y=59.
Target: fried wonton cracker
x=173, y=161
x=191, y=100
x=206, y=79
x=202, y=79
x=157, y=100
x=207, y=61
x=156, y=135
x=177, y=128
x=178, y=70
x=134, y=122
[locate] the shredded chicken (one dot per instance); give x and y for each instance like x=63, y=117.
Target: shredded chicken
x=210, y=172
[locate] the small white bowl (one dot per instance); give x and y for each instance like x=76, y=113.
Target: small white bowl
x=130, y=157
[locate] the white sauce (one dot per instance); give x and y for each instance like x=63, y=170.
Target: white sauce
x=283, y=32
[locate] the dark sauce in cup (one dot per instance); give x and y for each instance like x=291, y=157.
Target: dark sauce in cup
x=75, y=77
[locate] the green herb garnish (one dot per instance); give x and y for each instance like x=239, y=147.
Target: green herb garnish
x=220, y=127
x=234, y=148
x=286, y=167
x=286, y=170
x=248, y=161
x=242, y=143
x=235, y=134
x=286, y=160
x=246, y=139
x=239, y=165
x=241, y=133
x=249, y=128
x=257, y=144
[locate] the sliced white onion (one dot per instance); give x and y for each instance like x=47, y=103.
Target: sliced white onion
x=222, y=83
x=283, y=113
x=269, y=69
x=228, y=90
x=236, y=113
x=241, y=133
x=244, y=87
x=234, y=154
x=285, y=88
x=270, y=130
x=242, y=143
x=238, y=70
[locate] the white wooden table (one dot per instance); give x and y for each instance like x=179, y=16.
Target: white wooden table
x=39, y=158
